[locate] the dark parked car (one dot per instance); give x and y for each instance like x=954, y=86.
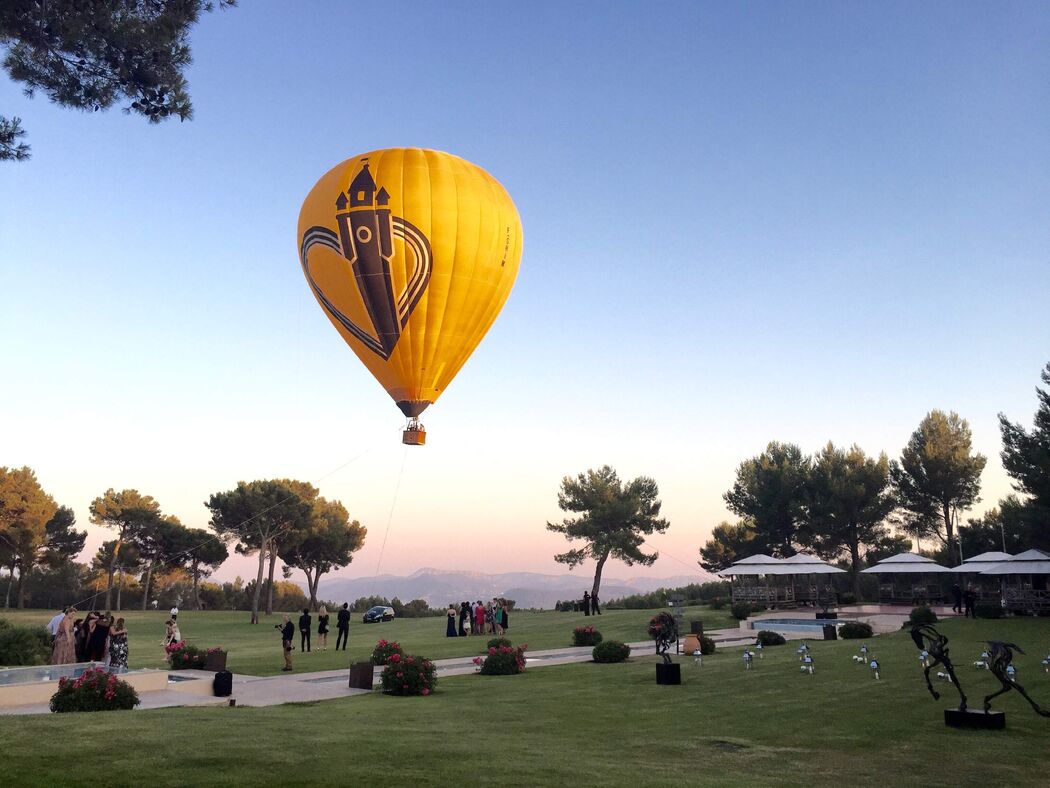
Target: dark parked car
x=377, y=614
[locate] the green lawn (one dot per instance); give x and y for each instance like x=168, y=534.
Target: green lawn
x=256, y=650
x=586, y=724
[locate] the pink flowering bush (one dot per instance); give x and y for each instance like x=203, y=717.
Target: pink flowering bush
x=586, y=636
x=96, y=690
x=183, y=656
x=504, y=661
x=384, y=651
x=405, y=674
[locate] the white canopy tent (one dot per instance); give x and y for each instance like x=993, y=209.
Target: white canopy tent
x=810, y=565
x=987, y=590
x=979, y=563
x=1030, y=562
x=917, y=589
x=771, y=593
x=1031, y=593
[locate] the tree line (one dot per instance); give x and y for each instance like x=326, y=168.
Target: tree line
x=273, y=519
x=845, y=505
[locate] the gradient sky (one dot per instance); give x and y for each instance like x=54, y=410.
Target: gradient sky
x=743, y=222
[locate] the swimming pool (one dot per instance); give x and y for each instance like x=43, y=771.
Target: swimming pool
x=797, y=624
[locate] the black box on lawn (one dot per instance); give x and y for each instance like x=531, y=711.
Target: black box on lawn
x=222, y=684
x=668, y=674
x=696, y=628
x=361, y=675
x=830, y=633
x=975, y=718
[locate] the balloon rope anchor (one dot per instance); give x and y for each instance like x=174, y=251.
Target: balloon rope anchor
x=415, y=434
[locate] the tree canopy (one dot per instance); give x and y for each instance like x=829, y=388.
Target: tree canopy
x=613, y=519
x=330, y=542
x=25, y=510
x=255, y=515
x=1026, y=458
x=727, y=545
x=938, y=473
x=90, y=55
x=848, y=498
x=125, y=512
x=769, y=492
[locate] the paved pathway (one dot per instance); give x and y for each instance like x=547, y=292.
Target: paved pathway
x=329, y=684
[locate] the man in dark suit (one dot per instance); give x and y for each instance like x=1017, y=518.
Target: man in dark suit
x=343, y=626
x=594, y=605
x=304, y=630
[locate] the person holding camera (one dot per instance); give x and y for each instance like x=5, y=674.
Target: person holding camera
x=287, y=633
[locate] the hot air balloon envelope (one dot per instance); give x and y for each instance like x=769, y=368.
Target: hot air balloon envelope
x=411, y=253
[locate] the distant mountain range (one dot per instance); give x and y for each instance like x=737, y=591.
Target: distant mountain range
x=528, y=589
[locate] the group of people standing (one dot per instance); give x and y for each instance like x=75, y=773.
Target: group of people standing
x=287, y=629
x=481, y=618
x=964, y=601
x=590, y=604
x=98, y=637
x=305, y=621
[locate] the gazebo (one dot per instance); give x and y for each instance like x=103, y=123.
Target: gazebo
x=770, y=593
x=809, y=567
x=1032, y=593
x=977, y=564
x=915, y=589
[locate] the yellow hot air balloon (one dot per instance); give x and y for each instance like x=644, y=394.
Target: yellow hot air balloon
x=411, y=253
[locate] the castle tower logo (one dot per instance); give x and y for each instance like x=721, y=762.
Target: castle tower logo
x=365, y=241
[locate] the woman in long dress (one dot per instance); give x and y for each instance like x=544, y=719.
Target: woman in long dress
x=65, y=650
x=450, y=630
x=118, y=647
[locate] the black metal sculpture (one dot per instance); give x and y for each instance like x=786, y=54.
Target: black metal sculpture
x=930, y=640
x=1000, y=656
x=664, y=630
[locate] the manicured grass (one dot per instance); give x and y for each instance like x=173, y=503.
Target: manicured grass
x=588, y=724
x=256, y=650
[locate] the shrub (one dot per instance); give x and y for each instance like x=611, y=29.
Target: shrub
x=497, y=642
x=24, y=645
x=740, y=610
x=988, y=610
x=502, y=661
x=611, y=651
x=847, y=598
x=922, y=615
x=405, y=674
x=385, y=651
x=586, y=636
x=855, y=630
x=183, y=656
x=96, y=690
x=769, y=638
x=718, y=603
x=707, y=646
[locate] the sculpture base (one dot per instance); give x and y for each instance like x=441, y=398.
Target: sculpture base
x=975, y=718
x=668, y=674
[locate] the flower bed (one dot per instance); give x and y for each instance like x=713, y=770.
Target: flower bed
x=96, y=690
x=405, y=674
x=586, y=636
x=502, y=661
x=183, y=656
x=384, y=651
